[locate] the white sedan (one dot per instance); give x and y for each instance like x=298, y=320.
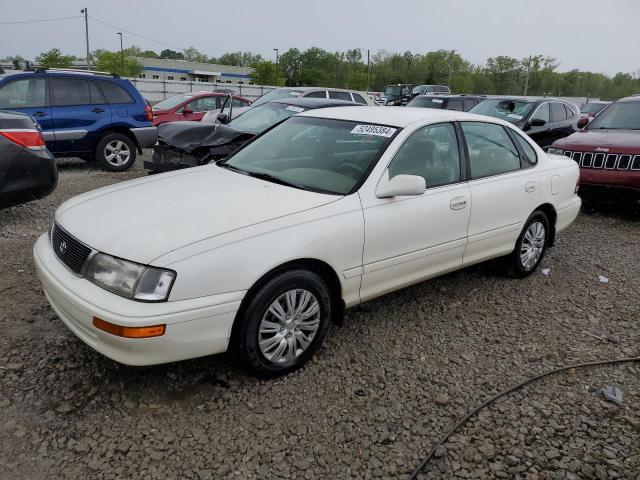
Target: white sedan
x=260, y=252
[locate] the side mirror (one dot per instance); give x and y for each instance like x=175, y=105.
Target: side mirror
x=223, y=117
x=538, y=122
x=401, y=185
x=583, y=122
x=187, y=111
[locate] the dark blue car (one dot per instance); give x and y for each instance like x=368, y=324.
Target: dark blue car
x=97, y=117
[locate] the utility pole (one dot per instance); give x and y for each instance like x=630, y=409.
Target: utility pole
x=86, y=30
x=368, y=70
x=121, y=54
x=526, y=76
x=277, y=52
x=451, y=54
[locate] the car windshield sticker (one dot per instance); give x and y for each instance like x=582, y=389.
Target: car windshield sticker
x=295, y=109
x=295, y=94
x=376, y=130
x=513, y=115
x=436, y=100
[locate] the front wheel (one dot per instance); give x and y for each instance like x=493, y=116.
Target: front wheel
x=284, y=323
x=530, y=247
x=116, y=152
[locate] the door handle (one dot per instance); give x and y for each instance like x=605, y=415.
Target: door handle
x=40, y=114
x=530, y=187
x=458, y=203
x=97, y=110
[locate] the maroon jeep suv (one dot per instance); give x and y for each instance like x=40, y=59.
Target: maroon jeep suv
x=607, y=150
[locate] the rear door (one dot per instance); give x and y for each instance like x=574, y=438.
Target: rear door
x=504, y=191
x=28, y=94
x=561, y=121
x=79, y=110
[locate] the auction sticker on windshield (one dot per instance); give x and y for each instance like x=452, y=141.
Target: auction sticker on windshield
x=377, y=130
x=513, y=115
x=295, y=109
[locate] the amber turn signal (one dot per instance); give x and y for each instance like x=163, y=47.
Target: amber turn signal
x=128, y=332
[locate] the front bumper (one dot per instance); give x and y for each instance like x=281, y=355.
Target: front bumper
x=145, y=136
x=610, y=183
x=194, y=327
x=165, y=159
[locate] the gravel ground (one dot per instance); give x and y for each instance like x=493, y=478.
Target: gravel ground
x=376, y=397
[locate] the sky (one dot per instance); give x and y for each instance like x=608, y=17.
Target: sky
x=590, y=35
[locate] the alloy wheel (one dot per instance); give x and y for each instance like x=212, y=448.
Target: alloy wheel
x=117, y=153
x=532, y=245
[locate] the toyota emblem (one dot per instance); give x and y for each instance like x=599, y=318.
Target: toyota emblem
x=62, y=247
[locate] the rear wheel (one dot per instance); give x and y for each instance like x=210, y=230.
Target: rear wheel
x=530, y=247
x=116, y=152
x=284, y=323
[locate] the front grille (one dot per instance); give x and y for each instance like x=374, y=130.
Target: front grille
x=611, y=161
x=70, y=251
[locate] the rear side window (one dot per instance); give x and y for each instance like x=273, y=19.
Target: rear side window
x=69, y=91
x=455, y=104
x=491, y=151
x=236, y=102
x=530, y=157
x=114, y=93
x=25, y=93
x=570, y=112
x=96, y=96
x=334, y=94
x=468, y=104
x=558, y=113
x=358, y=98
x=318, y=94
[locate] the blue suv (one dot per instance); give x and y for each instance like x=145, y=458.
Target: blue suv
x=97, y=117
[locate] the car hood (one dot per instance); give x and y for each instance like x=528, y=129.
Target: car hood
x=611, y=139
x=189, y=136
x=142, y=219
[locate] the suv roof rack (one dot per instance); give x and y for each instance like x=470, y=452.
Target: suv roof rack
x=73, y=70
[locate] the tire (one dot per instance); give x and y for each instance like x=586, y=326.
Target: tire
x=263, y=342
x=116, y=152
x=530, y=247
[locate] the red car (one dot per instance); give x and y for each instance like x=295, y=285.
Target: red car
x=589, y=111
x=191, y=106
x=608, y=150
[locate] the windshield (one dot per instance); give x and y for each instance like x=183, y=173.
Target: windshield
x=620, y=115
x=510, y=110
x=277, y=94
x=426, y=102
x=169, y=103
x=392, y=90
x=316, y=154
x=258, y=119
x=592, y=107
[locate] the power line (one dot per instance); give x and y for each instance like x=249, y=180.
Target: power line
x=21, y=22
x=135, y=34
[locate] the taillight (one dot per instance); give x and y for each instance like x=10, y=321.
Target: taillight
x=148, y=112
x=31, y=139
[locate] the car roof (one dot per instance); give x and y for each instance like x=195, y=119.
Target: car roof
x=633, y=98
x=451, y=95
x=310, y=103
x=392, y=116
x=309, y=89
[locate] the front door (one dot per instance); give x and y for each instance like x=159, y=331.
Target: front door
x=412, y=238
x=29, y=95
x=541, y=134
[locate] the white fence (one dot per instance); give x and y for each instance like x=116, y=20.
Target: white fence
x=157, y=90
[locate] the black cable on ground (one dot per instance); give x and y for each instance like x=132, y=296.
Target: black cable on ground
x=420, y=468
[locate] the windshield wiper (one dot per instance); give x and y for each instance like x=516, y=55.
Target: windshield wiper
x=223, y=163
x=272, y=178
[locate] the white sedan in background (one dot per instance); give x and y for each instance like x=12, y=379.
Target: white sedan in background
x=331, y=208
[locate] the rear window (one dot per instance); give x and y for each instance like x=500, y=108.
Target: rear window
x=114, y=93
x=426, y=102
x=69, y=91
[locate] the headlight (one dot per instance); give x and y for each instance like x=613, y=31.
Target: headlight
x=129, y=279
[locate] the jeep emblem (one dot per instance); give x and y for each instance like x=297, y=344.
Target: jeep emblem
x=602, y=149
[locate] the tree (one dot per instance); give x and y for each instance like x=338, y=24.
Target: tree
x=263, y=73
x=54, y=58
x=239, y=59
x=193, y=55
x=113, y=62
x=171, y=54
